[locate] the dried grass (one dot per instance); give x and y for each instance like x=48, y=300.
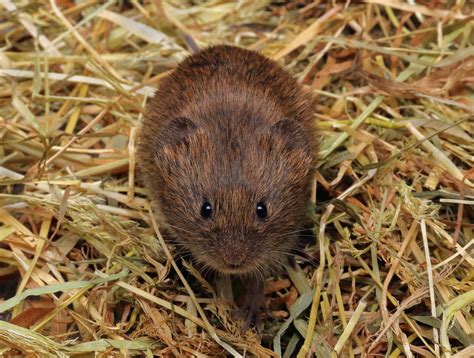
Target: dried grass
x=82, y=265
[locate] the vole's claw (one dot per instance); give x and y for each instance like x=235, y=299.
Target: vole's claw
x=251, y=315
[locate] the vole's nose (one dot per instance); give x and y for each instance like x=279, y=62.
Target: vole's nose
x=234, y=258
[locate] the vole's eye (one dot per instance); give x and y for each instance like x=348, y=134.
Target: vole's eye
x=206, y=210
x=261, y=210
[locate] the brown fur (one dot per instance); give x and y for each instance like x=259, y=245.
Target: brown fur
x=231, y=127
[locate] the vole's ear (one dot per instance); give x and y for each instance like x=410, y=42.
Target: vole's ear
x=293, y=135
x=177, y=131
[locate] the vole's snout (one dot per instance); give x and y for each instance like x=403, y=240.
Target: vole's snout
x=234, y=259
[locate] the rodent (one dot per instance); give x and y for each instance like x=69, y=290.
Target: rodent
x=227, y=151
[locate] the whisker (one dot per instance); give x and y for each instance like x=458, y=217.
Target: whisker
x=292, y=232
x=302, y=255
x=180, y=228
x=260, y=271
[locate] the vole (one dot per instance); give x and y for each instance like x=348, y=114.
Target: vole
x=227, y=151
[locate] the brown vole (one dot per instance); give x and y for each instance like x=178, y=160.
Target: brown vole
x=227, y=152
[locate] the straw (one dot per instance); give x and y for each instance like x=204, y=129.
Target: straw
x=84, y=268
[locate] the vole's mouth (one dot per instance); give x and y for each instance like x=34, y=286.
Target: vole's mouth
x=228, y=265
x=235, y=269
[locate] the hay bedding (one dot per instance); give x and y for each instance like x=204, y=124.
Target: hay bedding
x=82, y=268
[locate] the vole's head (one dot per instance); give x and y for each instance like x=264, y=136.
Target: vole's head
x=234, y=196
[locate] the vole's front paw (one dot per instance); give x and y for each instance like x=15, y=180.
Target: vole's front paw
x=251, y=313
x=254, y=306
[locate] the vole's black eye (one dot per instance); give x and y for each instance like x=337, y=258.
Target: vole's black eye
x=261, y=210
x=206, y=210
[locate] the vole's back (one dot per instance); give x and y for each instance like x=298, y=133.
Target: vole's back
x=230, y=80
